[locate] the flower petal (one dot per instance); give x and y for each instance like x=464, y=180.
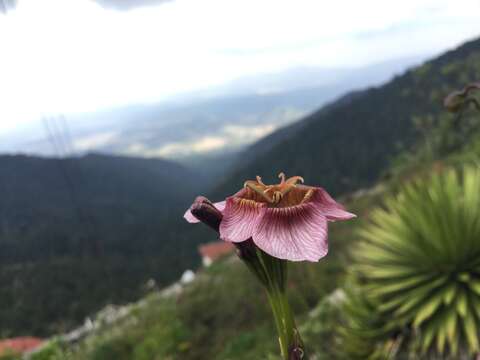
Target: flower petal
x=220, y=206
x=329, y=207
x=190, y=218
x=293, y=233
x=239, y=219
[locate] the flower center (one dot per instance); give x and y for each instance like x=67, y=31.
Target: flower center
x=274, y=194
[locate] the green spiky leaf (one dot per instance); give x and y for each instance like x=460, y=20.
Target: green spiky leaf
x=417, y=270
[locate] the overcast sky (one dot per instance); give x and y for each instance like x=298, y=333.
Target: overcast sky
x=76, y=55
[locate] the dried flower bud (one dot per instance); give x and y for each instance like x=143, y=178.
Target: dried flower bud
x=454, y=101
x=457, y=99
x=205, y=211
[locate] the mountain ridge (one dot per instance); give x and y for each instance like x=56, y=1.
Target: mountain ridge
x=347, y=145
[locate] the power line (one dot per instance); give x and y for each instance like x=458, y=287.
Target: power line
x=64, y=132
x=60, y=148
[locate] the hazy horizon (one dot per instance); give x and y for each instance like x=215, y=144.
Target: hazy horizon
x=65, y=66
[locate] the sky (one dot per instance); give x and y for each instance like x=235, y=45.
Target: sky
x=68, y=56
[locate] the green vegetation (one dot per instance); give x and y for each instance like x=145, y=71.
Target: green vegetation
x=224, y=314
x=9, y=356
x=417, y=271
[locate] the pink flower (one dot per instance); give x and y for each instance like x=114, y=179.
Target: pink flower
x=286, y=220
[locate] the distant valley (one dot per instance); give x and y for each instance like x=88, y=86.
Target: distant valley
x=199, y=127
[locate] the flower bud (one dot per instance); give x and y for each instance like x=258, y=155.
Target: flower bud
x=204, y=210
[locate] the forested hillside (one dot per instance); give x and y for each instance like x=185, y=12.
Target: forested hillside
x=85, y=206
x=81, y=232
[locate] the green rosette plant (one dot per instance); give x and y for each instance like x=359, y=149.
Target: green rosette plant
x=416, y=277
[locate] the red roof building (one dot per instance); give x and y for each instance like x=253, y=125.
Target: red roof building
x=19, y=345
x=213, y=251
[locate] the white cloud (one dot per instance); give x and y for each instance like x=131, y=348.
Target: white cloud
x=244, y=134
x=94, y=141
x=230, y=137
x=73, y=55
x=203, y=145
x=178, y=149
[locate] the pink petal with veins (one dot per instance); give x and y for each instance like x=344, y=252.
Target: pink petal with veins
x=240, y=218
x=329, y=207
x=294, y=233
x=192, y=219
x=220, y=205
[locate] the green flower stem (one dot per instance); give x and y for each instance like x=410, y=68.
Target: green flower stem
x=271, y=272
x=288, y=335
x=275, y=272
